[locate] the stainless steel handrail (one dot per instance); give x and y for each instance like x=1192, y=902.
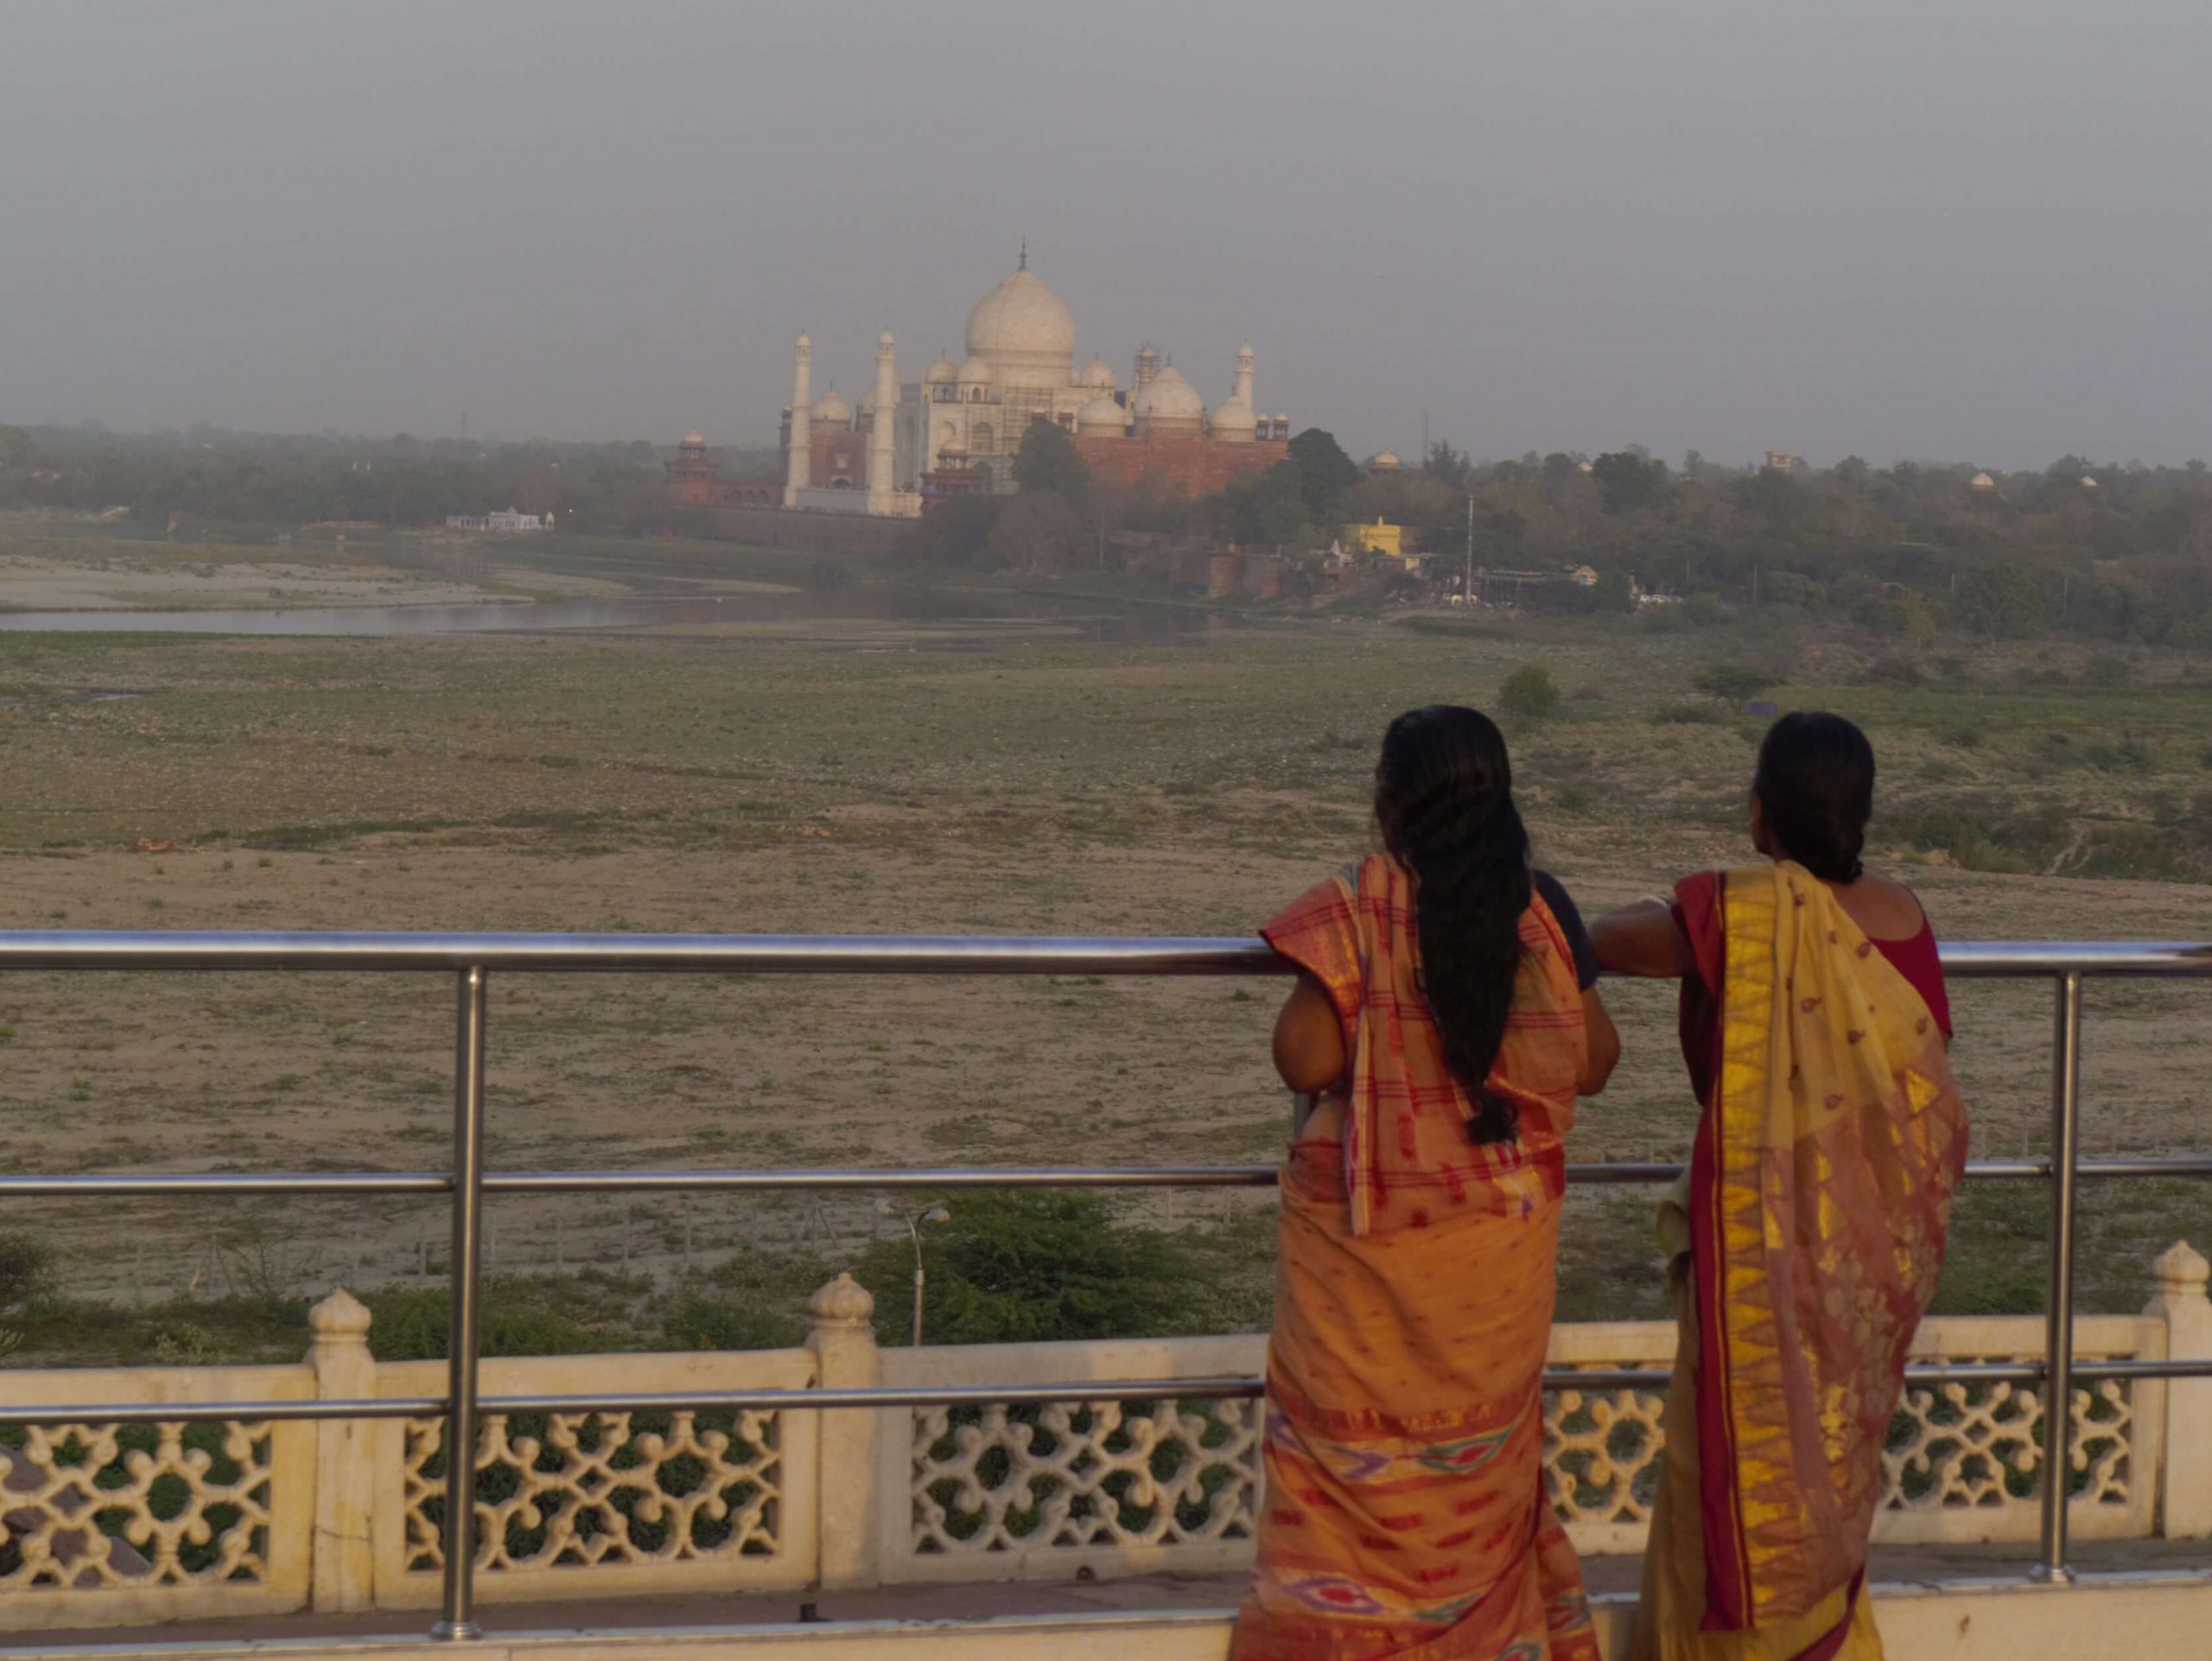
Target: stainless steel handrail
x=1222, y=1387
x=472, y=957
x=872, y=954
x=1613, y=1173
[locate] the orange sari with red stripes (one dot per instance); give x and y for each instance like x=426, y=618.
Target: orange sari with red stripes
x=1405, y=1514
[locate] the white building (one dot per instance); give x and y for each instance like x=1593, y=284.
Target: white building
x=970, y=416
x=506, y=523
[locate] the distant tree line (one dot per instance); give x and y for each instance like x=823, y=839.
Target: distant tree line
x=2123, y=553
x=245, y=481
x=2111, y=552
x=2117, y=552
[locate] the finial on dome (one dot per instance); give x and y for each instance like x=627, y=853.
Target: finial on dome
x=1025, y=255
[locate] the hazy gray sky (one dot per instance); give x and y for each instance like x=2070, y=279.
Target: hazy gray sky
x=1975, y=229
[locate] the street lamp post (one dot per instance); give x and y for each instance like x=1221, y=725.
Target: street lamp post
x=913, y=1221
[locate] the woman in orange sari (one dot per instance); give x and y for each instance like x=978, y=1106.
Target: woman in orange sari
x=1444, y=1015
x=1807, y=1238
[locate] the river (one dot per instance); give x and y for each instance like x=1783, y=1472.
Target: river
x=991, y=615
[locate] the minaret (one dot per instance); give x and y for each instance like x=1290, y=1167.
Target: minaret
x=1244, y=375
x=802, y=456
x=1147, y=366
x=879, y=450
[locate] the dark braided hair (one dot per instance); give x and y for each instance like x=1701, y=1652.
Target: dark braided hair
x=1444, y=797
x=1816, y=779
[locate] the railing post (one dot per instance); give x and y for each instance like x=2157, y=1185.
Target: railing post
x=2185, y=1486
x=463, y=1278
x=342, y=1562
x=2059, y=1341
x=848, y=1521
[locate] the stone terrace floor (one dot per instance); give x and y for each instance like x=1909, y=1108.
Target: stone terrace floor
x=980, y=1600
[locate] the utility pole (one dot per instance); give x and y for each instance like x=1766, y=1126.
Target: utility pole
x=1470, y=549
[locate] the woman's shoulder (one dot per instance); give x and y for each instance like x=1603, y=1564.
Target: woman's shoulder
x=1888, y=908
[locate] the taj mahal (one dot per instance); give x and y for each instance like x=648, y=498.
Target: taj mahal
x=957, y=429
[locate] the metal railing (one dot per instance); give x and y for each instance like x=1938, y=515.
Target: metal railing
x=472, y=958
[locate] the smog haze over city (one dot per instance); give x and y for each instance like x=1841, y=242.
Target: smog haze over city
x=1976, y=230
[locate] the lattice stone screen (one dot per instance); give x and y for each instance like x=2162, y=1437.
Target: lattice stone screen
x=101, y=1522
x=1964, y=1462
x=1114, y=1484
x=608, y=1504
x=1130, y=1486
x=576, y=1490
x=1159, y=1473
x=92, y=1505
x=149, y=1521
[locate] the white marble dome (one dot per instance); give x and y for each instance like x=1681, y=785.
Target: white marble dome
x=975, y=373
x=1168, y=399
x=939, y=374
x=1025, y=330
x=1096, y=376
x=1103, y=416
x=832, y=410
x=695, y=440
x=1234, y=420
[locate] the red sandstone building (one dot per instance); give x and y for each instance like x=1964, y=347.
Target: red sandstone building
x=695, y=480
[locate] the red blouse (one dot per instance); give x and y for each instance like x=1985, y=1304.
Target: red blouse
x=1915, y=957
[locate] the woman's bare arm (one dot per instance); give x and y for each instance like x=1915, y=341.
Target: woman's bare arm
x=1309, y=1039
x=1604, y=1045
x=1642, y=940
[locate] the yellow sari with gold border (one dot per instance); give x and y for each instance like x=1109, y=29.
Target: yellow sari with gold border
x=1810, y=1238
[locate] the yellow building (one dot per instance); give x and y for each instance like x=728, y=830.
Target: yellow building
x=1379, y=537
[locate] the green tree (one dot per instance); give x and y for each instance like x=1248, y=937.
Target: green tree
x=1734, y=682
x=1614, y=591
x=1260, y=507
x=1774, y=496
x=1037, y=532
x=956, y=532
x=1323, y=469
x=1529, y=693
x=1048, y=463
x=1628, y=483
x=1027, y=1268
x=2001, y=601
x=1904, y=615
x=1454, y=467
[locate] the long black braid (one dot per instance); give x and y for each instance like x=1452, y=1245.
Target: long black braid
x=1444, y=797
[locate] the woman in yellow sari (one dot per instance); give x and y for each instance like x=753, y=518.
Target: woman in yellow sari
x=1807, y=1238
x=1443, y=1012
